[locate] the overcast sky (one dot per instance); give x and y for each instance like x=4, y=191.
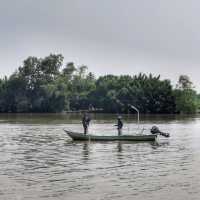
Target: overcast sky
x=109, y=36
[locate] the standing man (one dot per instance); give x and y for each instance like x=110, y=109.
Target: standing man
x=119, y=125
x=86, y=122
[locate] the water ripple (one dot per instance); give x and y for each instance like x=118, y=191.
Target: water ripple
x=41, y=162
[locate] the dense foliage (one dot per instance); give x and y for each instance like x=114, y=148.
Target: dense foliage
x=45, y=85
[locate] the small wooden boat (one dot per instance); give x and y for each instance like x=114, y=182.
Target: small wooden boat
x=89, y=137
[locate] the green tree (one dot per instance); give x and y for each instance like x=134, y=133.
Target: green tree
x=45, y=85
x=185, y=101
x=185, y=96
x=69, y=70
x=184, y=82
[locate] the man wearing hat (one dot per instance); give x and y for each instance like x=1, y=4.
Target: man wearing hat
x=119, y=125
x=86, y=122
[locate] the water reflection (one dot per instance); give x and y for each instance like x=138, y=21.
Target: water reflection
x=100, y=118
x=157, y=144
x=119, y=146
x=86, y=145
x=86, y=150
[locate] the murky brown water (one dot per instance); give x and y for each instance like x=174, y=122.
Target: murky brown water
x=39, y=161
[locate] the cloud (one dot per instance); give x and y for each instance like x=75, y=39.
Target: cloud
x=109, y=36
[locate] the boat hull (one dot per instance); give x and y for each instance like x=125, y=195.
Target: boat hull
x=88, y=137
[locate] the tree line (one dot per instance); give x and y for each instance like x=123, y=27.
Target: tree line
x=47, y=85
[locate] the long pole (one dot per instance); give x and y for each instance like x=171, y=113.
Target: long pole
x=138, y=114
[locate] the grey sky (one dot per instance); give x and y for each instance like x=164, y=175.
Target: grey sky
x=109, y=36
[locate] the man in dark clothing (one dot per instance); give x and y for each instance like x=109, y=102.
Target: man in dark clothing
x=119, y=125
x=86, y=122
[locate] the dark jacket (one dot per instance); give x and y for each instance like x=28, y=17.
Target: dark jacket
x=86, y=120
x=119, y=124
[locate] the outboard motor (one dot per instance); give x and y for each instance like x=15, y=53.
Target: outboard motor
x=155, y=130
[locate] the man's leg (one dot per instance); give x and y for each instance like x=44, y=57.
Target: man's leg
x=119, y=132
x=85, y=130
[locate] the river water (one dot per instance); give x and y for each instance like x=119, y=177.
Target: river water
x=39, y=161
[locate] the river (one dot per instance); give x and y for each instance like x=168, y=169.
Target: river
x=38, y=161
